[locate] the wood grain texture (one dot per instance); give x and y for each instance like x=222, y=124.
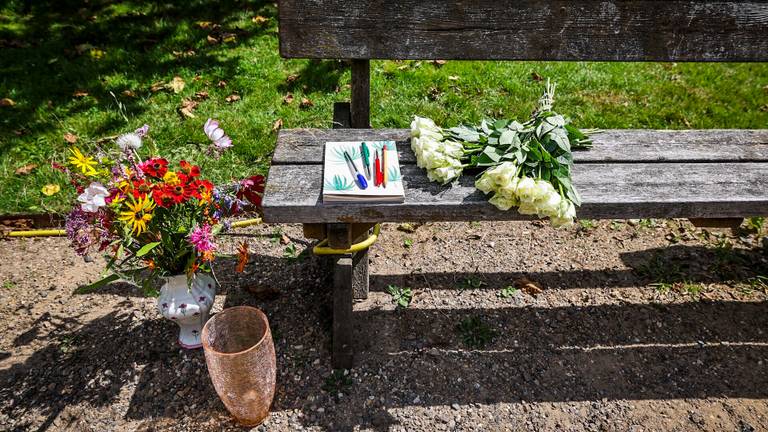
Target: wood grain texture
x=342, y=354
x=627, y=190
x=305, y=146
x=613, y=30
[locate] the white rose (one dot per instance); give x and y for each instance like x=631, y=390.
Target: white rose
x=525, y=189
x=94, y=197
x=485, y=184
x=542, y=190
x=509, y=188
x=502, y=203
x=453, y=149
x=549, y=205
x=528, y=208
x=129, y=141
x=566, y=214
x=421, y=126
x=444, y=174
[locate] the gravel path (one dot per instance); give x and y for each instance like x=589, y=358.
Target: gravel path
x=586, y=342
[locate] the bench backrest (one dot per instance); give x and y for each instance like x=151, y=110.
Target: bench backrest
x=614, y=30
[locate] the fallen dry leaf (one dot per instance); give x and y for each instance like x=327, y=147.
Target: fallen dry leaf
x=232, y=98
x=287, y=99
x=211, y=40
x=453, y=78
x=528, y=286
x=284, y=239
x=258, y=19
x=536, y=77
x=80, y=93
x=221, y=84
x=177, y=84
x=50, y=189
x=157, y=86
x=306, y=103
x=26, y=169
x=201, y=95
x=204, y=24
x=129, y=93
x=70, y=138
x=7, y=102
x=19, y=132
x=277, y=124
x=187, y=106
x=229, y=38
x=439, y=63
x=291, y=78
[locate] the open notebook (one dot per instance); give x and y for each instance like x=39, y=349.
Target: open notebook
x=342, y=182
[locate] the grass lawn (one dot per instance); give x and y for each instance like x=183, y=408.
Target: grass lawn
x=97, y=69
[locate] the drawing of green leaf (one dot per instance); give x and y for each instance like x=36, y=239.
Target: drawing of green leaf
x=339, y=183
x=338, y=153
x=393, y=174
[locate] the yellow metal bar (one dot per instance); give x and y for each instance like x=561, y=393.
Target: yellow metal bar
x=321, y=249
x=61, y=232
x=38, y=233
x=245, y=223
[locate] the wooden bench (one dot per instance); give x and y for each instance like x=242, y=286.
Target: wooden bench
x=712, y=176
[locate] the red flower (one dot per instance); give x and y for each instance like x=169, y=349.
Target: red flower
x=162, y=197
x=189, y=169
x=178, y=193
x=198, y=188
x=252, y=189
x=141, y=188
x=156, y=167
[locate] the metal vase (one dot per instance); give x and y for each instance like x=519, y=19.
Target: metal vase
x=241, y=362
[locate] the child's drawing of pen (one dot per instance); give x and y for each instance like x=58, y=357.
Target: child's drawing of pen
x=355, y=173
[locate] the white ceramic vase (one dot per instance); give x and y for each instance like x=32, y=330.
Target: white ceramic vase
x=187, y=306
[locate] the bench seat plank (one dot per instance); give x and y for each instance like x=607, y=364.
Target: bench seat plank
x=305, y=146
x=615, y=30
x=627, y=190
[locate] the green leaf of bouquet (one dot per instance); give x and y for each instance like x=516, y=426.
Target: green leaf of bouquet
x=507, y=137
x=146, y=248
x=96, y=285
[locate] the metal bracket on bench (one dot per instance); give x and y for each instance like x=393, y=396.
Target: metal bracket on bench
x=322, y=249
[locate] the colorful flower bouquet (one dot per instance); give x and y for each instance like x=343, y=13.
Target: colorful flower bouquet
x=153, y=218
x=524, y=165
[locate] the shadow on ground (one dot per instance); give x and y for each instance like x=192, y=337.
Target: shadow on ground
x=407, y=357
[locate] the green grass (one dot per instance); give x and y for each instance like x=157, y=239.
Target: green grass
x=53, y=49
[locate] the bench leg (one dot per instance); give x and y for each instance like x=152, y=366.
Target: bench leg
x=342, y=350
x=360, y=279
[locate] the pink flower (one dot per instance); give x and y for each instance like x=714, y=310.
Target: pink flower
x=216, y=134
x=202, y=239
x=142, y=131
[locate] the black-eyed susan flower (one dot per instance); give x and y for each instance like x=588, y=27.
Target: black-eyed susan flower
x=138, y=215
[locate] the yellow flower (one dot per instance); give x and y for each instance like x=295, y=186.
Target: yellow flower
x=171, y=178
x=50, y=189
x=86, y=164
x=139, y=213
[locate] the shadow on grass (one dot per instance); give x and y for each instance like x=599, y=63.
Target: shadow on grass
x=53, y=49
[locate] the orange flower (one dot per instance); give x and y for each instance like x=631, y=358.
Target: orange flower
x=150, y=264
x=207, y=256
x=242, y=257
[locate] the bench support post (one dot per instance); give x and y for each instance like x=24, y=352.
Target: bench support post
x=342, y=350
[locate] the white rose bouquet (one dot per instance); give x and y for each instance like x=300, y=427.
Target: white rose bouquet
x=525, y=165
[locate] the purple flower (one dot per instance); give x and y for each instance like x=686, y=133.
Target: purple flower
x=217, y=136
x=202, y=239
x=142, y=131
x=80, y=230
x=183, y=306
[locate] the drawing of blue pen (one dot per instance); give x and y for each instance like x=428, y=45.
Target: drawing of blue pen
x=355, y=173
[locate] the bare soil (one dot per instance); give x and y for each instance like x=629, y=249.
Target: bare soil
x=616, y=326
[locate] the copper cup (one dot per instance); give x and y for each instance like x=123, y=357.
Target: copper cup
x=241, y=362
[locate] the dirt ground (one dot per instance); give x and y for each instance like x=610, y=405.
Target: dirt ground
x=637, y=327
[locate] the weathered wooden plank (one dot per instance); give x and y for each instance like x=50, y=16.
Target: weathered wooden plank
x=305, y=146
x=613, y=30
x=629, y=190
x=343, y=351
x=361, y=94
